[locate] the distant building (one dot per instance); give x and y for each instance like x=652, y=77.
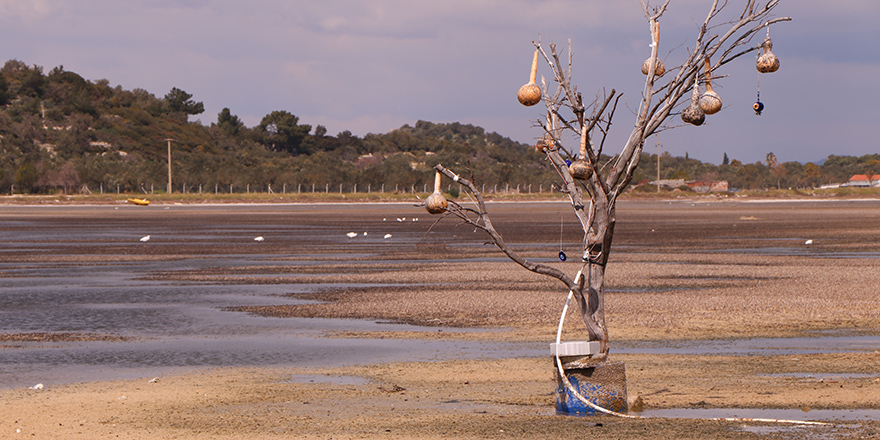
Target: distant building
x=708, y=186
x=859, y=181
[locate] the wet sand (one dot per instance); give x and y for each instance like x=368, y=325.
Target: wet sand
x=680, y=270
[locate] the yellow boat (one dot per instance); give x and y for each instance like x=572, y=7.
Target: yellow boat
x=142, y=202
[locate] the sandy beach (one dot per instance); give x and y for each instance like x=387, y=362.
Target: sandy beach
x=683, y=272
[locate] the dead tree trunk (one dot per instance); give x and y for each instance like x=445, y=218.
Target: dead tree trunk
x=593, y=184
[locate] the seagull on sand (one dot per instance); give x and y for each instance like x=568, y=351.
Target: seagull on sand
x=260, y=238
x=352, y=234
x=808, y=242
x=387, y=236
x=145, y=238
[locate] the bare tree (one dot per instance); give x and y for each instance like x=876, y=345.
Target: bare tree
x=593, y=187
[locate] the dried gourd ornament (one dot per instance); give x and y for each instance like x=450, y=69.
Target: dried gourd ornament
x=767, y=62
x=530, y=94
x=436, y=203
x=710, y=102
x=581, y=168
x=693, y=114
x=659, y=68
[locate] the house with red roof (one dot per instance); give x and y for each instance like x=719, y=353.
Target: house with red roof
x=863, y=181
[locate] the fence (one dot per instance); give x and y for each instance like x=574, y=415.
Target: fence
x=320, y=188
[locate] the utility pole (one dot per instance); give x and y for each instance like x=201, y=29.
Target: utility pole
x=658, y=163
x=169, y=164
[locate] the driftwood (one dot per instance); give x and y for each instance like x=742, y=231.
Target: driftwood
x=593, y=198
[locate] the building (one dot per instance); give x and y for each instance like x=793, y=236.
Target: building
x=708, y=186
x=863, y=181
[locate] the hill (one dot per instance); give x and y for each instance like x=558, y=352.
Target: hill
x=62, y=133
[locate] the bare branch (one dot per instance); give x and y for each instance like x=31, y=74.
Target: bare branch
x=485, y=223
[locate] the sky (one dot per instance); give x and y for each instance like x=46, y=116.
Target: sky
x=371, y=66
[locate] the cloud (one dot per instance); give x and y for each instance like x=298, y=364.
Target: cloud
x=24, y=9
x=390, y=62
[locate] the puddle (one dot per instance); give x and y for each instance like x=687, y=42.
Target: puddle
x=816, y=415
x=823, y=376
x=756, y=347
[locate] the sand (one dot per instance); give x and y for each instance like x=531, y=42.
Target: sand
x=682, y=270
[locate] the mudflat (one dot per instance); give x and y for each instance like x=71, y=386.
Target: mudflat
x=681, y=272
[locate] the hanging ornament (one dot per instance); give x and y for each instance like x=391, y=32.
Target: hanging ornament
x=767, y=62
x=693, y=114
x=561, y=254
x=758, y=106
x=581, y=168
x=710, y=102
x=659, y=68
x=436, y=203
x=530, y=94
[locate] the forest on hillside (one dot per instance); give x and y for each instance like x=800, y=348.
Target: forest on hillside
x=62, y=133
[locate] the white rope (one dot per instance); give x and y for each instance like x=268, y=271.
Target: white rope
x=595, y=407
x=565, y=380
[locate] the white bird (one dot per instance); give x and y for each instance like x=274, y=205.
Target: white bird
x=365, y=232
x=399, y=219
x=352, y=234
x=38, y=386
x=383, y=219
x=260, y=238
x=145, y=238
x=808, y=242
x=415, y=219
x=387, y=236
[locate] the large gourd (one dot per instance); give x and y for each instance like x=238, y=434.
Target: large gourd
x=436, y=203
x=659, y=68
x=710, y=102
x=767, y=62
x=693, y=114
x=581, y=168
x=530, y=94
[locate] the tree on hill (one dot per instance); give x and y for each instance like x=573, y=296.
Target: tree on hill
x=179, y=101
x=281, y=131
x=229, y=123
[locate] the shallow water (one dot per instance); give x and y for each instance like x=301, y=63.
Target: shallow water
x=821, y=343
x=773, y=414
x=182, y=325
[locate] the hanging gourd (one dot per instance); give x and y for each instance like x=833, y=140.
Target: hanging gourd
x=581, y=168
x=659, y=68
x=693, y=114
x=530, y=94
x=544, y=143
x=767, y=62
x=710, y=102
x=436, y=203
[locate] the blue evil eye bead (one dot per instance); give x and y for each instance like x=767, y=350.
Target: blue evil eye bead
x=562, y=256
x=567, y=163
x=759, y=107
